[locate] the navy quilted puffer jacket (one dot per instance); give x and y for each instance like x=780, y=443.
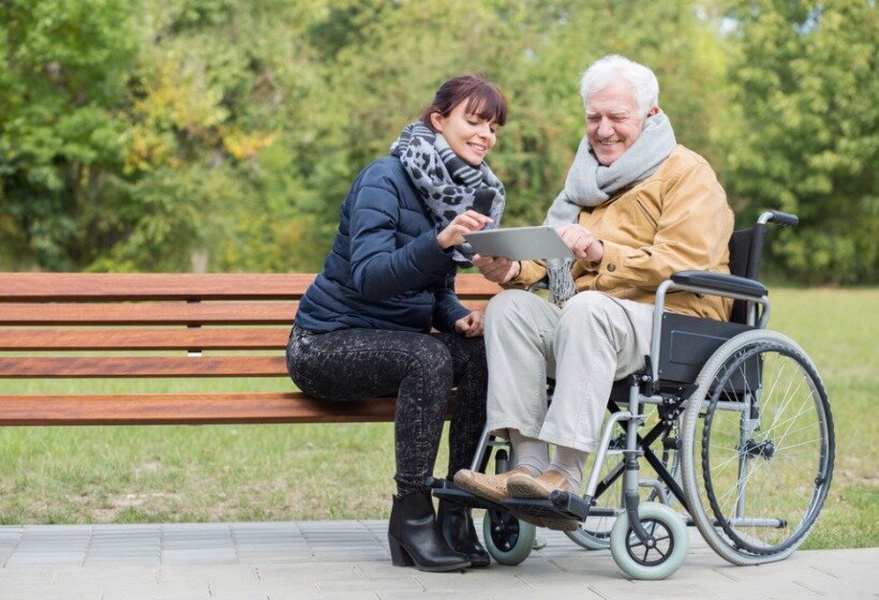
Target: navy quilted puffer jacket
x=385, y=269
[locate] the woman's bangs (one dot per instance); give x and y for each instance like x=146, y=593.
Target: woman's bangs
x=488, y=104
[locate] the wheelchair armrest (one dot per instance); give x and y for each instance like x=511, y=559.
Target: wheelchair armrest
x=708, y=283
x=721, y=283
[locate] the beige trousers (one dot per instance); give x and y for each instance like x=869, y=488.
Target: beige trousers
x=587, y=345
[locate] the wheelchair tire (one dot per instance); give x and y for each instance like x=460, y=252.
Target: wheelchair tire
x=665, y=558
x=508, y=540
x=758, y=448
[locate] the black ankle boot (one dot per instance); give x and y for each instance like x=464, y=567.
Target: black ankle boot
x=456, y=523
x=414, y=538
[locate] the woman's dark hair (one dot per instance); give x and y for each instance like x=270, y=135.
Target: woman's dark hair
x=481, y=94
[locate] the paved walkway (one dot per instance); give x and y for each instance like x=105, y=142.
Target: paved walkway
x=349, y=560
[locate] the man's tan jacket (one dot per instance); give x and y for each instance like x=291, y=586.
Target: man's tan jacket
x=676, y=219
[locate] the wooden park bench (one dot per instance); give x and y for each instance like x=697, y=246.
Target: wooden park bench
x=140, y=328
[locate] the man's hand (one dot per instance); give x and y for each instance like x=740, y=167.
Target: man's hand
x=470, y=326
x=582, y=243
x=497, y=268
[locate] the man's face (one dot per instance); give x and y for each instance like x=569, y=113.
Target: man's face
x=613, y=121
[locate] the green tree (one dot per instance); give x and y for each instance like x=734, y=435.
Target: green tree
x=805, y=134
x=250, y=71
x=374, y=80
x=64, y=66
x=223, y=134
x=128, y=129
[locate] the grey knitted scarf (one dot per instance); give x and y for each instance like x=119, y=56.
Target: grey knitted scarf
x=447, y=184
x=590, y=184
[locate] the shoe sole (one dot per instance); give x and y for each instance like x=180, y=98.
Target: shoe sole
x=546, y=522
x=529, y=488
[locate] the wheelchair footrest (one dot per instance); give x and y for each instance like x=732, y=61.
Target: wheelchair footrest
x=560, y=505
x=572, y=504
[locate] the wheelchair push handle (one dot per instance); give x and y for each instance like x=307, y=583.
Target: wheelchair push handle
x=782, y=218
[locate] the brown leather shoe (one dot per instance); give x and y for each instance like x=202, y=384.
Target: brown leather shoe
x=490, y=487
x=539, y=487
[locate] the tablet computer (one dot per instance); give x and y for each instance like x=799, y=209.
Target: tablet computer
x=520, y=243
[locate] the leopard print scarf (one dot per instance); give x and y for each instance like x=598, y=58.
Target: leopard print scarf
x=447, y=185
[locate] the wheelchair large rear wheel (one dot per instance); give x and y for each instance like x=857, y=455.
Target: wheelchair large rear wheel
x=758, y=448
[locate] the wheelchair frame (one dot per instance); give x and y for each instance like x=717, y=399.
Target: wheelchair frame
x=695, y=392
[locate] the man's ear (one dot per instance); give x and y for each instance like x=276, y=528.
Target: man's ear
x=653, y=111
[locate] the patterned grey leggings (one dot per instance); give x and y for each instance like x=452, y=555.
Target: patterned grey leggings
x=420, y=369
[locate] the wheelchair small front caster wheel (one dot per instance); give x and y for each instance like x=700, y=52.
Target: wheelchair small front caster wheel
x=508, y=540
x=656, y=560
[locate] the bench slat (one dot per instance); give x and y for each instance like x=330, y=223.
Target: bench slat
x=201, y=313
x=184, y=338
x=474, y=286
x=142, y=366
x=169, y=313
x=169, y=409
x=34, y=287
x=152, y=286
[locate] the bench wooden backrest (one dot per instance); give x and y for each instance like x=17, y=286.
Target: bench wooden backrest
x=148, y=326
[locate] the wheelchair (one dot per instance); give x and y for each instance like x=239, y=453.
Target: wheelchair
x=732, y=420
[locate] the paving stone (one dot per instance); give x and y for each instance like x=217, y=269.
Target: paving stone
x=349, y=560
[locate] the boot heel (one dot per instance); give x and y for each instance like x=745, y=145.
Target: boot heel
x=415, y=540
x=399, y=556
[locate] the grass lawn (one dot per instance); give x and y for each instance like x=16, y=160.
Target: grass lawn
x=838, y=330
x=338, y=471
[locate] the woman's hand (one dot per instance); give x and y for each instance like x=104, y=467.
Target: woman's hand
x=466, y=222
x=582, y=242
x=470, y=326
x=497, y=268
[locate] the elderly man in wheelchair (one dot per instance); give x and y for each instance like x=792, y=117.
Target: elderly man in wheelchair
x=650, y=232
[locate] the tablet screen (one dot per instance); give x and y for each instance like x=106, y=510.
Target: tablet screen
x=520, y=243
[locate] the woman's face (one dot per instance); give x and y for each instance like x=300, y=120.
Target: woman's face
x=469, y=135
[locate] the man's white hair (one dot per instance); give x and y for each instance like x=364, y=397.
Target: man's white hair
x=608, y=69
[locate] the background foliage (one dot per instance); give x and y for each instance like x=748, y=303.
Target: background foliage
x=222, y=135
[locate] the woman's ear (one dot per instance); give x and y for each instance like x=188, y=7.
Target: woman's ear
x=653, y=111
x=437, y=120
